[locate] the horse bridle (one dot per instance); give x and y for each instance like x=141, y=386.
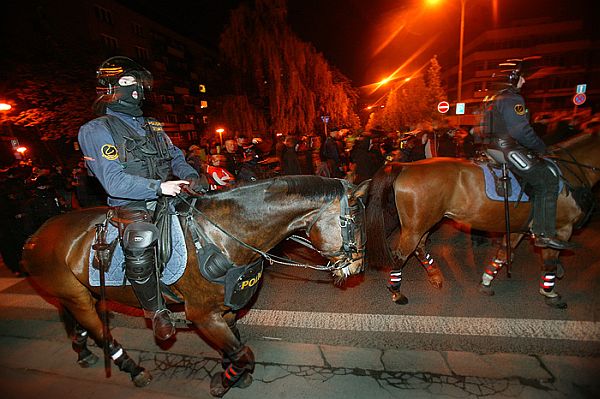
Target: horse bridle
x=350, y=251
x=350, y=229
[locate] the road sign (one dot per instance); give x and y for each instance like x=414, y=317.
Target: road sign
x=460, y=108
x=580, y=88
x=579, y=98
x=443, y=107
x=325, y=118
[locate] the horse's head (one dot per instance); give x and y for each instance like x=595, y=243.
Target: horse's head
x=337, y=231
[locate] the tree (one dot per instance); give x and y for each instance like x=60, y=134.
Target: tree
x=281, y=76
x=435, y=91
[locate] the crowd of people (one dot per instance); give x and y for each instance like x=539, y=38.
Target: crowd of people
x=32, y=194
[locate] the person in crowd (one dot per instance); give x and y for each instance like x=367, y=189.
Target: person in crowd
x=364, y=160
x=289, y=158
x=331, y=154
x=218, y=176
x=138, y=165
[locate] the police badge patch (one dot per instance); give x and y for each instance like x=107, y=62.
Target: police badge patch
x=520, y=109
x=109, y=151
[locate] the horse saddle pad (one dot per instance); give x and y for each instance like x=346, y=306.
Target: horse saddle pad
x=115, y=276
x=490, y=185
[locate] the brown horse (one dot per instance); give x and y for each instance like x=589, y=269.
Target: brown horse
x=243, y=223
x=418, y=195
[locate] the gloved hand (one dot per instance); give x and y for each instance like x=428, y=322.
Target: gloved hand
x=198, y=185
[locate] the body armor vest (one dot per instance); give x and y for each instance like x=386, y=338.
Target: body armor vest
x=145, y=156
x=494, y=126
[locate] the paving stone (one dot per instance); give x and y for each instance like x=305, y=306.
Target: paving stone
x=362, y=358
x=413, y=361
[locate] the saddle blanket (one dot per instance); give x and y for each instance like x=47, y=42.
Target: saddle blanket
x=490, y=186
x=115, y=276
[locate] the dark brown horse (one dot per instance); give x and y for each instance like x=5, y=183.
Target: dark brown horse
x=259, y=215
x=418, y=195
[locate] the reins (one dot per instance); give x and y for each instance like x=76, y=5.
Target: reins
x=272, y=259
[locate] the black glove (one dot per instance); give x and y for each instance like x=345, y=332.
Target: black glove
x=198, y=185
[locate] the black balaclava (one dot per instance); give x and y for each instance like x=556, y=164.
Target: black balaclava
x=128, y=99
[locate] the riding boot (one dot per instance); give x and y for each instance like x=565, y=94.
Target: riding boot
x=153, y=304
x=544, y=221
x=139, y=247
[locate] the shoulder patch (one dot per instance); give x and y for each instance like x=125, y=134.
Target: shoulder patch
x=520, y=109
x=109, y=151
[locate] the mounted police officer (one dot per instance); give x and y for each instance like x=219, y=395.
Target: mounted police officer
x=136, y=163
x=507, y=124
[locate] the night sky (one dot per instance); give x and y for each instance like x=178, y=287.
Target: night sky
x=349, y=32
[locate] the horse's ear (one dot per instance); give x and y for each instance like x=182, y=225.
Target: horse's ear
x=362, y=190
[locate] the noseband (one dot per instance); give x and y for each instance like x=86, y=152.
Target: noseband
x=350, y=230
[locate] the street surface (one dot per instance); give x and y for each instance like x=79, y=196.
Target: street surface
x=315, y=340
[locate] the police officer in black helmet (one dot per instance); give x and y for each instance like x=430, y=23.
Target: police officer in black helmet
x=507, y=124
x=136, y=163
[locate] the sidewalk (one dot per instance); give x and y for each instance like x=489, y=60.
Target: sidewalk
x=36, y=360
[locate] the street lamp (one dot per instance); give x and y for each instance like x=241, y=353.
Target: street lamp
x=460, y=47
x=5, y=107
x=220, y=131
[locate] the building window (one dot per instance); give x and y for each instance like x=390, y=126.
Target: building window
x=141, y=53
x=111, y=43
x=171, y=118
x=205, y=119
x=103, y=14
x=203, y=104
x=138, y=30
x=202, y=88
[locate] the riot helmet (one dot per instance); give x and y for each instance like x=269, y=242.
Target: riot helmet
x=120, y=86
x=513, y=70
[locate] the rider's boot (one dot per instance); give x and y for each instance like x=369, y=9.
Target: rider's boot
x=140, y=267
x=544, y=221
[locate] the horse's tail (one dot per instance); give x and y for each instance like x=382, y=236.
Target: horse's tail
x=382, y=216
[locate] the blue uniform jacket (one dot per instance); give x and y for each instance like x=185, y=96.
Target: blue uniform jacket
x=99, y=150
x=511, y=106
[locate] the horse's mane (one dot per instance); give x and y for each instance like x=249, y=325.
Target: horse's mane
x=307, y=186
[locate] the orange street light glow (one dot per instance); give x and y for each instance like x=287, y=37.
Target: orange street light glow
x=5, y=107
x=221, y=130
x=21, y=150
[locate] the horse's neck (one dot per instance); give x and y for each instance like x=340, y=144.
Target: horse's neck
x=587, y=154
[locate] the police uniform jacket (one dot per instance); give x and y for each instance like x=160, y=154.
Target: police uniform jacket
x=508, y=120
x=102, y=159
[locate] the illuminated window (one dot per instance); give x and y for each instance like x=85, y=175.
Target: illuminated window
x=205, y=119
x=202, y=88
x=203, y=104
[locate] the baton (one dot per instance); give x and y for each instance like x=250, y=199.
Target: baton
x=99, y=246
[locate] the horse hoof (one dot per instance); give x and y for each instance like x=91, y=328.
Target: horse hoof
x=216, y=386
x=88, y=360
x=245, y=381
x=556, y=302
x=486, y=290
x=142, y=379
x=399, y=298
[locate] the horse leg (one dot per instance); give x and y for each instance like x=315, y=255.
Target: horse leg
x=82, y=308
x=553, y=269
x=403, y=245
x=497, y=263
x=85, y=357
x=434, y=274
x=238, y=359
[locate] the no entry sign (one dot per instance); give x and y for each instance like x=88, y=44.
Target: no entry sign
x=443, y=107
x=579, y=98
